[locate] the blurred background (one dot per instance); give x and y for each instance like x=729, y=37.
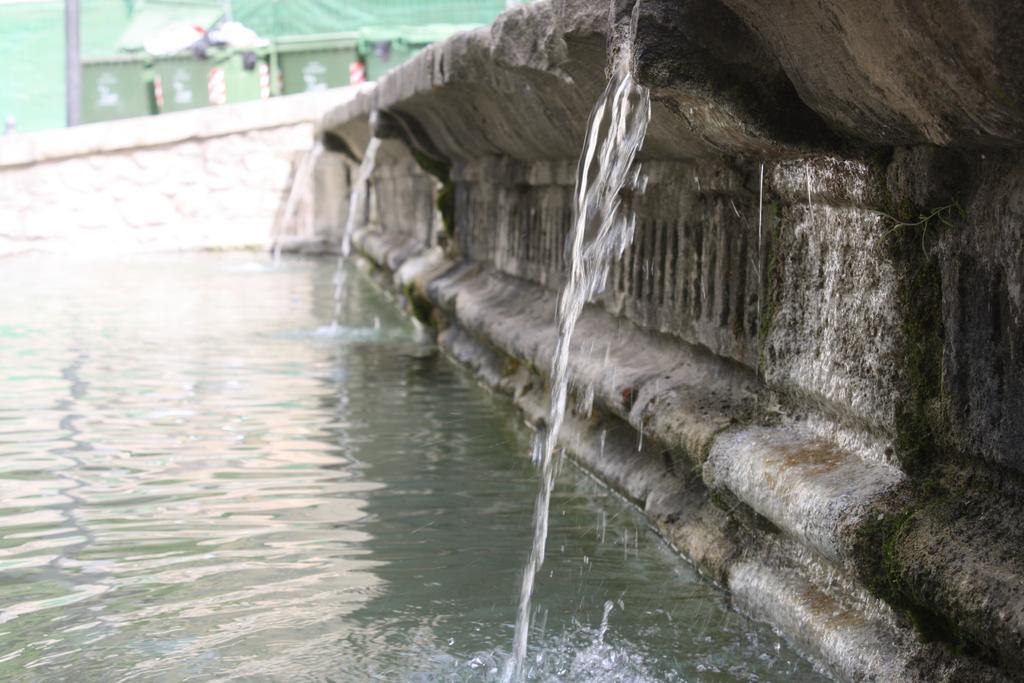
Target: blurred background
x=145, y=57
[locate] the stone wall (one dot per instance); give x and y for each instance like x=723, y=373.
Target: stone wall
x=818, y=328
x=211, y=178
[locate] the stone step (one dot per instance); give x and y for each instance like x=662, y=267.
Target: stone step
x=709, y=477
x=863, y=643
x=809, y=488
x=831, y=620
x=679, y=394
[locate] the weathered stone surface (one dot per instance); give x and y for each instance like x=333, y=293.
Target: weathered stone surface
x=711, y=73
x=957, y=561
x=681, y=396
x=179, y=128
x=783, y=581
x=946, y=72
x=835, y=319
x=833, y=325
x=983, y=312
x=692, y=270
x=808, y=487
x=218, y=177
x=813, y=617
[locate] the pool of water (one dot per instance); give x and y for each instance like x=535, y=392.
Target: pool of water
x=201, y=479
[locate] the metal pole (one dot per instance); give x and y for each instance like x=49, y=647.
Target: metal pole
x=73, y=60
x=275, y=65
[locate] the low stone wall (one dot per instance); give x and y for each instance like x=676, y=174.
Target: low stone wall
x=818, y=328
x=218, y=177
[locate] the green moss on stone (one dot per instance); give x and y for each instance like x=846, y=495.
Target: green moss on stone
x=923, y=432
x=421, y=308
x=509, y=366
x=445, y=204
x=886, y=574
x=922, y=420
x=445, y=200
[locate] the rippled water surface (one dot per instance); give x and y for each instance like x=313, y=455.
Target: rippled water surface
x=200, y=479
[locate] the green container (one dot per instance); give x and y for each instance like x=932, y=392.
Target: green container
x=385, y=48
x=187, y=82
x=114, y=88
x=181, y=83
x=381, y=56
x=315, y=63
x=244, y=85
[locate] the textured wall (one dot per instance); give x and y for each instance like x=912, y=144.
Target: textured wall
x=212, y=178
x=818, y=326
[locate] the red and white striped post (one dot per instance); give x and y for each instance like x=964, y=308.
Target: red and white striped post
x=264, y=80
x=216, y=86
x=356, y=73
x=158, y=91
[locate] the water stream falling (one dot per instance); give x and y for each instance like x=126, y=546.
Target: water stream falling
x=357, y=198
x=358, y=194
x=607, y=179
x=300, y=194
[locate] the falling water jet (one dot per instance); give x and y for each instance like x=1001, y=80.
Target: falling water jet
x=357, y=199
x=585, y=402
x=760, y=206
x=299, y=193
x=358, y=194
x=603, y=631
x=607, y=179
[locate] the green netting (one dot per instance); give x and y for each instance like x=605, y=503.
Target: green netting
x=32, y=55
x=385, y=47
x=409, y=35
x=298, y=17
x=32, y=35
x=273, y=18
x=32, y=65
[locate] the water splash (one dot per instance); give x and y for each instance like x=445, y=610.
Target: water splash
x=603, y=630
x=607, y=179
x=585, y=401
x=357, y=200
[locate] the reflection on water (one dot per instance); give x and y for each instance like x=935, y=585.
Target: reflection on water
x=197, y=482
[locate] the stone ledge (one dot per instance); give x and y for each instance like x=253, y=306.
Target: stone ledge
x=876, y=319
x=808, y=487
x=680, y=395
x=151, y=131
x=791, y=485
x=800, y=582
